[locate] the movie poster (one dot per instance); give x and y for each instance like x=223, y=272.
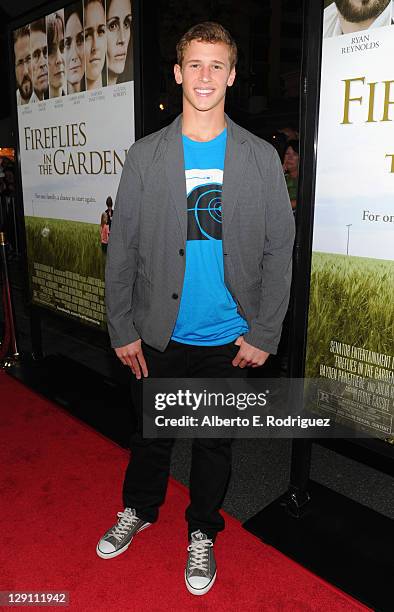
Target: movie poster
x=350, y=345
x=75, y=103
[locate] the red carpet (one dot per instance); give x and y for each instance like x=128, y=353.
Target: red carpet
x=61, y=485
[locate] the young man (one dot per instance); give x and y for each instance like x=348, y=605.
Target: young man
x=197, y=280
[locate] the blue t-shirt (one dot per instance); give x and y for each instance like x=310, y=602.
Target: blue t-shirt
x=207, y=312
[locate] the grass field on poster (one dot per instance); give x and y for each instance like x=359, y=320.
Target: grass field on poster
x=68, y=245
x=351, y=301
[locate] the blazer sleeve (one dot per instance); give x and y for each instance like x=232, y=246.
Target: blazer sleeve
x=122, y=255
x=266, y=327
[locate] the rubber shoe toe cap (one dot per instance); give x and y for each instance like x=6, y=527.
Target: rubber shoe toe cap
x=198, y=582
x=105, y=547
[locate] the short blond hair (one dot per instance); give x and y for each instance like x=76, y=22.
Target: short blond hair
x=211, y=32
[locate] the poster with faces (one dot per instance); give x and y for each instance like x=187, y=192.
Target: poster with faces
x=75, y=108
x=350, y=345
x=75, y=100
x=86, y=45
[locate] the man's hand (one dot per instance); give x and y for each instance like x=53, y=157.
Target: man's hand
x=248, y=355
x=132, y=356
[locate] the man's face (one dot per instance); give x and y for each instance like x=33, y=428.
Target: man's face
x=74, y=49
x=23, y=67
x=39, y=52
x=357, y=11
x=205, y=75
x=95, y=40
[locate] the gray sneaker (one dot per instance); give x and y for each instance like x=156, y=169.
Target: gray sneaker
x=117, y=539
x=200, y=572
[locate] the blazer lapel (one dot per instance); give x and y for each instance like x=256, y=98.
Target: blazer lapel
x=175, y=171
x=234, y=170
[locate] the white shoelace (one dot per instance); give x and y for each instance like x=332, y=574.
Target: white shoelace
x=127, y=520
x=199, y=554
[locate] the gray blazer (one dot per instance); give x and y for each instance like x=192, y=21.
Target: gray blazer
x=147, y=247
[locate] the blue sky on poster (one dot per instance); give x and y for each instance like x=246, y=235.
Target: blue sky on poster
x=353, y=173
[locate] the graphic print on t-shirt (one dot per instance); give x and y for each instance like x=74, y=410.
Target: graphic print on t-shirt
x=204, y=204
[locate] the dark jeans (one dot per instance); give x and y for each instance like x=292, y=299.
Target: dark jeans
x=147, y=474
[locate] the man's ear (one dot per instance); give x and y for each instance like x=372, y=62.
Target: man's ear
x=231, y=77
x=178, y=74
